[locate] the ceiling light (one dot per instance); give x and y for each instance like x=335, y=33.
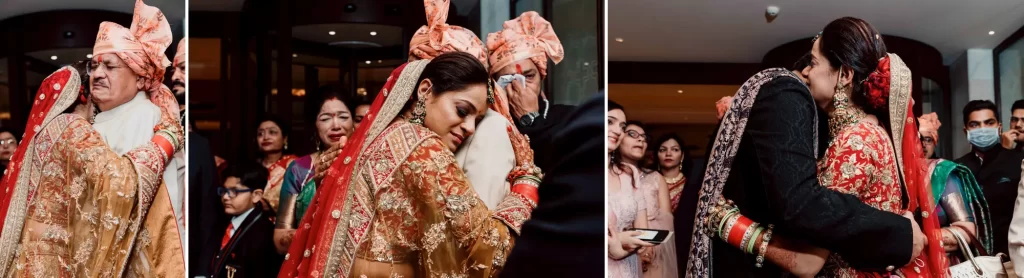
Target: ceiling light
x=367, y=62
x=53, y=58
x=586, y=63
x=373, y=33
x=295, y=55
x=619, y=40
x=89, y=56
x=679, y=91
x=379, y=61
x=991, y=32
x=331, y=33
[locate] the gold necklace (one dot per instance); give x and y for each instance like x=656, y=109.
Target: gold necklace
x=675, y=179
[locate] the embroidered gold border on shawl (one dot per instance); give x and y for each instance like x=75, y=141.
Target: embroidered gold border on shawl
x=10, y=237
x=899, y=101
x=393, y=104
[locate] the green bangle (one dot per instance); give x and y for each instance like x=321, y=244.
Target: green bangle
x=721, y=223
x=753, y=239
x=170, y=137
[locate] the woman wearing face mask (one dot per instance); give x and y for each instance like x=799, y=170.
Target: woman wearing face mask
x=625, y=197
x=866, y=93
x=659, y=261
x=673, y=163
x=272, y=139
x=333, y=121
x=395, y=202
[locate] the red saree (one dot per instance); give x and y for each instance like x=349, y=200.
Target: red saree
x=272, y=193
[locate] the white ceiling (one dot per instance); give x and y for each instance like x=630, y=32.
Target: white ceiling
x=173, y=9
x=735, y=31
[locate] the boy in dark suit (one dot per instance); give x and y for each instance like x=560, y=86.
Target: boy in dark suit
x=245, y=247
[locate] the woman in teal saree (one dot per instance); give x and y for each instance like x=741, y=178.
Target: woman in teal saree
x=962, y=208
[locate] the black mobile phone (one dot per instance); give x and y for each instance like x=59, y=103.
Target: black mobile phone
x=653, y=236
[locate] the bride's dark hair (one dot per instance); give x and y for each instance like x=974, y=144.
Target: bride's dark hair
x=854, y=43
x=451, y=72
x=84, y=92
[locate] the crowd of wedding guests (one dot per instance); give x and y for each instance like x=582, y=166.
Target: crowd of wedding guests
x=438, y=175
x=820, y=170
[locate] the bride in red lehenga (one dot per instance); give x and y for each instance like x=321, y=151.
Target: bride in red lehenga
x=395, y=203
x=874, y=152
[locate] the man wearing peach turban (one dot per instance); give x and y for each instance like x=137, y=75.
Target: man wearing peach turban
x=438, y=37
x=928, y=126
x=487, y=156
x=524, y=47
x=126, y=79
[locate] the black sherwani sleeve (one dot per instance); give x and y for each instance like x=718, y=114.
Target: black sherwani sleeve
x=542, y=133
x=563, y=238
x=779, y=129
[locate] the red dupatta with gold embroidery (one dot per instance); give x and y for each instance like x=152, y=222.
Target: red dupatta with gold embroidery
x=57, y=92
x=309, y=254
x=892, y=71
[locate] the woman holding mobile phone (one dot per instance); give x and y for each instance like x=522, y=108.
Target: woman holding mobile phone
x=659, y=261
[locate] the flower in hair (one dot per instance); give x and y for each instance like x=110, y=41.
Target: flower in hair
x=876, y=86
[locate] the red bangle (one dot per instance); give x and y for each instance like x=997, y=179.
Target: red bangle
x=165, y=145
x=737, y=231
x=528, y=191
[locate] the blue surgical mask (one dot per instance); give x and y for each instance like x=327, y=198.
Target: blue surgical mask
x=983, y=138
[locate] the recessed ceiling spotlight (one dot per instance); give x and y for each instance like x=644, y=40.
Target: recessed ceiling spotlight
x=53, y=58
x=368, y=62
x=88, y=56
x=379, y=61
x=331, y=33
x=991, y=32
x=373, y=33
x=619, y=40
x=295, y=55
x=679, y=91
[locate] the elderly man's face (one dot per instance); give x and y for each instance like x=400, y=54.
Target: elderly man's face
x=111, y=81
x=178, y=79
x=530, y=71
